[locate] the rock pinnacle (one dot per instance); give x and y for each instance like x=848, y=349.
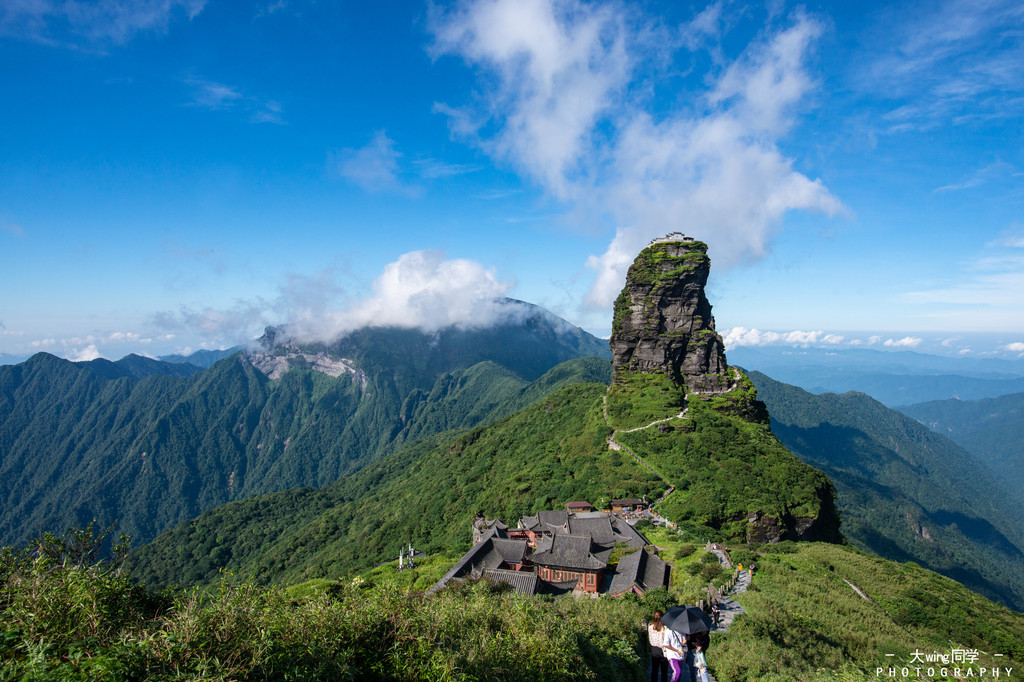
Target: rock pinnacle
x=663, y=322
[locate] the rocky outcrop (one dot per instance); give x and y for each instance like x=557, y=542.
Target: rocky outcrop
x=663, y=322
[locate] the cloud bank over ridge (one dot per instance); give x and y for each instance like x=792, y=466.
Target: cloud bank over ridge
x=421, y=289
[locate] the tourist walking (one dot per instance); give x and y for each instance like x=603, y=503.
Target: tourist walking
x=700, y=662
x=675, y=651
x=656, y=633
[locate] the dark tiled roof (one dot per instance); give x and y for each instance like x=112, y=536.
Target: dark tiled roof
x=579, y=505
x=505, y=551
x=656, y=572
x=529, y=522
x=627, y=533
x=573, y=551
x=489, y=554
x=627, y=502
x=470, y=560
x=642, y=569
x=546, y=587
x=523, y=582
x=557, y=518
x=600, y=529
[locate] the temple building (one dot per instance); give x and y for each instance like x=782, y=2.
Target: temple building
x=554, y=552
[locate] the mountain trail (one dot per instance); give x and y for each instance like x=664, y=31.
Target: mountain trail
x=615, y=445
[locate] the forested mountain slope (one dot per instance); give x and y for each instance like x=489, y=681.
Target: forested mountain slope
x=904, y=492
x=145, y=444
x=991, y=429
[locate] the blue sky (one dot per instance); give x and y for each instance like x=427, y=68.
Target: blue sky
x=175, y=174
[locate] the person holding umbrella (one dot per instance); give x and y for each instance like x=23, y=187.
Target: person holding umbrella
x=692, y=623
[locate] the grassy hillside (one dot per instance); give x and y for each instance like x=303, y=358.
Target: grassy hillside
x=992, y=430
x=725, y=467
x=806, y=620
x=905, y=493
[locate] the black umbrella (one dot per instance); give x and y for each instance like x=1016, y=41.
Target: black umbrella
x=686, y=619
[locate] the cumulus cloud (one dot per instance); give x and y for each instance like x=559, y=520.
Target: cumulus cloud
x=1015, y=347
x=905, y=342
x=564, y=103
x=741, y=336
x=100, y=22
x=421, y=289
x=89, y=352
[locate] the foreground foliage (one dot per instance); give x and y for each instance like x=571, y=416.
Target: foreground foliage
x=75, y=621
x=814, y=612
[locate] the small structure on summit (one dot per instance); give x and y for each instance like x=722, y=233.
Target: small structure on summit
x=663, y=322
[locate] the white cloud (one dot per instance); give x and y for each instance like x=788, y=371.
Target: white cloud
x=89, y=352
x=374, y=167
x=421, y=289
x=741, y=336
x=1016, y=347
x=991, y=173
x=98, y=22
x=905, y=342
x=559, y=65
x=872, y=340
x=12, y=228
x=564, y=104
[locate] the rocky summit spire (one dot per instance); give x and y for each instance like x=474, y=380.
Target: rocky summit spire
x=663, y=322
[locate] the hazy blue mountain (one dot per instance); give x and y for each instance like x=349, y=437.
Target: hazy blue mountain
x=201, y=358
x=148, y=443
x=905, y=492
x=894, y=378
x=991, y=429
x=13, y=358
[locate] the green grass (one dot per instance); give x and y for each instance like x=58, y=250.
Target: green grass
x=805, y=622
x=642, y=398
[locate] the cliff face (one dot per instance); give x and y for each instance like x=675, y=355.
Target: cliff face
x=663, y=322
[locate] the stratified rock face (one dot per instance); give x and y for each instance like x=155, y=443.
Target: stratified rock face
x=663, y=322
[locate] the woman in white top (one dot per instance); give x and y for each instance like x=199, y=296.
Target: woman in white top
x=675, y=650
x=656, y=633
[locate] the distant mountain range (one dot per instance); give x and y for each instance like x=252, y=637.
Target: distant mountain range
x=905, y=492
x=145, y=443
x=893, y=378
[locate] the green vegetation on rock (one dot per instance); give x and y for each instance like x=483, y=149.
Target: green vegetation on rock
x=725, y=467
x=642, y=398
